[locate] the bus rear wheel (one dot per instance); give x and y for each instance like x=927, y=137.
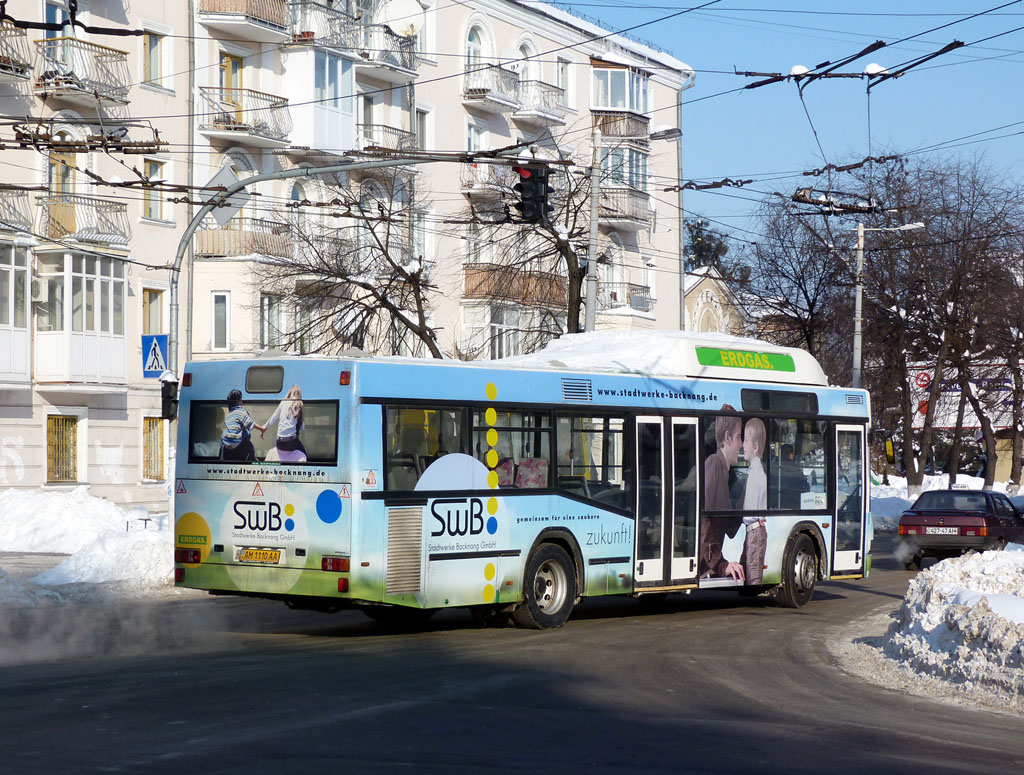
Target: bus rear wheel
x=549, y=590
x=799, y=572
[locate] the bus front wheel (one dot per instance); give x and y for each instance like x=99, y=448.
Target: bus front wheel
x=799, y=572
x=549, y=589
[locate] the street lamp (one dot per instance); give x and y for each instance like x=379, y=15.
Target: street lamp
x=857, y=336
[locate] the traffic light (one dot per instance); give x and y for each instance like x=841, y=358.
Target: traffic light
x=533, y=192
x=168, y=399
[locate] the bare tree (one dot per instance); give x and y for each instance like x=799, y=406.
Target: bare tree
x=352, y=273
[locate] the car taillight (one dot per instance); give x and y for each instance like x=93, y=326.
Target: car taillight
x=334, y=564
x=188, y=556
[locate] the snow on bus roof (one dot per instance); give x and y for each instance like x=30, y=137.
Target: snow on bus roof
x=675, y=354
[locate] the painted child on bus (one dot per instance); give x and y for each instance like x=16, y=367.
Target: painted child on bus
x=713, y=530
x=235, y=440
x=755, y=499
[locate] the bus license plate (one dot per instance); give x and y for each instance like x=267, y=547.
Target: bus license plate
x=942, y=531
x=262, y=556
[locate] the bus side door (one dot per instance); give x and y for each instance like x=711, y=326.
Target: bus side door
x=848, y=536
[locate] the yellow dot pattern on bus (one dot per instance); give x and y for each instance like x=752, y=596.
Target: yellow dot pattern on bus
x=491, y=418
x=191, y=531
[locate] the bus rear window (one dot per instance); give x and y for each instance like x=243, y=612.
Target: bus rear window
x=264, y=379
x=310, y=432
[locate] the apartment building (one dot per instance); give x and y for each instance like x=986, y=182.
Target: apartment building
x=299, y=87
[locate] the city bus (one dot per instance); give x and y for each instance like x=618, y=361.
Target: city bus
x=621, y=464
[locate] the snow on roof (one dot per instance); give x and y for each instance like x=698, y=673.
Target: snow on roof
x=676, y=354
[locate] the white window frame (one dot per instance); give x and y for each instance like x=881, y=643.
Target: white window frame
x=213, y=320
x=166, y=55
x=636, y=86
x=272, y=302
x=151, y=196
x=151, y=285
x=569, y=100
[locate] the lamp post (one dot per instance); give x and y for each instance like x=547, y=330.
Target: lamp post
x=858, y=299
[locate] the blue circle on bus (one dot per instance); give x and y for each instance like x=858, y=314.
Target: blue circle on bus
x=289, y=525
x=492, y=526
x=328, y=506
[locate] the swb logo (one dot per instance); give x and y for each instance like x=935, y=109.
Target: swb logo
x=457, y=516
x=257, y=515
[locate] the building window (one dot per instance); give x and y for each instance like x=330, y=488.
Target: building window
x=55, y=13
x=97, y=294
x=153, y=448
x=564, y=68
x=152, y=58
x=624, y=166
x=422, y=140
x=476, y=136
x=474, y=49
x=61, y=448
x=270, y=321
x=152, y=198
x=504, y=333
x=221, y=320
x=152, y=311
x=620, y=88
x=304, y=328
x=13, y=286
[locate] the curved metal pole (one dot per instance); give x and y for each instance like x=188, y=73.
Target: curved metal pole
x=221, y=196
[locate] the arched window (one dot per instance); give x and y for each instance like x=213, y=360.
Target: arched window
x=474, y=48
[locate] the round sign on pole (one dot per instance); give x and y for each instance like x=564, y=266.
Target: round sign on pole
x=923, y=379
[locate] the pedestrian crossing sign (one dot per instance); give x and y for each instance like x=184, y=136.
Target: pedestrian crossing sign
x=154, y=354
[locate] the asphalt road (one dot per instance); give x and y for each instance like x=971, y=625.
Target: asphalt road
x=705, y=684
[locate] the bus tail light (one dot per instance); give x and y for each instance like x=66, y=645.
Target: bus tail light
x=179, y=575
x=345, y=378
x=334, y=564
x=189, y=556
x=186, y=379
x=343, y=585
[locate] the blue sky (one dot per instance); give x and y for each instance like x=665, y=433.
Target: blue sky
x=765, y=134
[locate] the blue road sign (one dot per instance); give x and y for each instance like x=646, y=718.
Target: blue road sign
x=154, y=354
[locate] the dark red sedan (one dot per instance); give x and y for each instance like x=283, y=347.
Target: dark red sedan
x=946, y=523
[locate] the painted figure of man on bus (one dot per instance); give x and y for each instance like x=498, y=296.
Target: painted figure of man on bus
x=235, y=441
x=713, y=530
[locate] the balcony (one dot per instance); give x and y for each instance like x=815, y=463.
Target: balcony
x=623, y=296
x=314, y=23
x=622, y=124
x=385, y=55
x=322, y=250
x=244, y=116
x=263, y=21
x=541, y=104
x=245, y=237
x=15, y=56
x=492, y=89
x=80, y=72
x=15, y=211
x=383, y=136
x=84, y=218
x=487, y=181
x=624, y=208
x=533, y=288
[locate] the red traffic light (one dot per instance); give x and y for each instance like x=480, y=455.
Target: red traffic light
x=524, y=172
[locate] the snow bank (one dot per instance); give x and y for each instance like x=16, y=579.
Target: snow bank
x=962, y=620
x=105, y=543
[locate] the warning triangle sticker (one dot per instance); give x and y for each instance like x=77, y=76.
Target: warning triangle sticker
x=181, y=487
x=257, y=490
x=344, y=493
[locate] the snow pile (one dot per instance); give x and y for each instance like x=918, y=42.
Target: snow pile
x=104, y=542
x=962, y=620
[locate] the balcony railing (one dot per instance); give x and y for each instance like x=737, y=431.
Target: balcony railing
x=69, y=67
x=620, y=295
x=624, y=204
x=245, y=111
x=323, y=250
x=313, y=22
x=487, y=177
x=491, y=281
x=544, y=99
x=378, y=45
x=15, y=212
x=492, y=82
x=15, y=58
x=383, y=136
x=84, y=218
x=622, y=123
x=273, y=13
x=245, y=237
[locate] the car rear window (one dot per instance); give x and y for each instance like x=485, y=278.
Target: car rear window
x=951, y=501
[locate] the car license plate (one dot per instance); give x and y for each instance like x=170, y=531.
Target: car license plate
x=942, y=531
x=262, y=556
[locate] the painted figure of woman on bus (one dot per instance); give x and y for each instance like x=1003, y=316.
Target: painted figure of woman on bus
x=288, y=417
x=755, y=498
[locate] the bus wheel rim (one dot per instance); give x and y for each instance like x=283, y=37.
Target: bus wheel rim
x=550, y=587
x=803, y=571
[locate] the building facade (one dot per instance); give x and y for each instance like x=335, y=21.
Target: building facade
x=129, y=131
